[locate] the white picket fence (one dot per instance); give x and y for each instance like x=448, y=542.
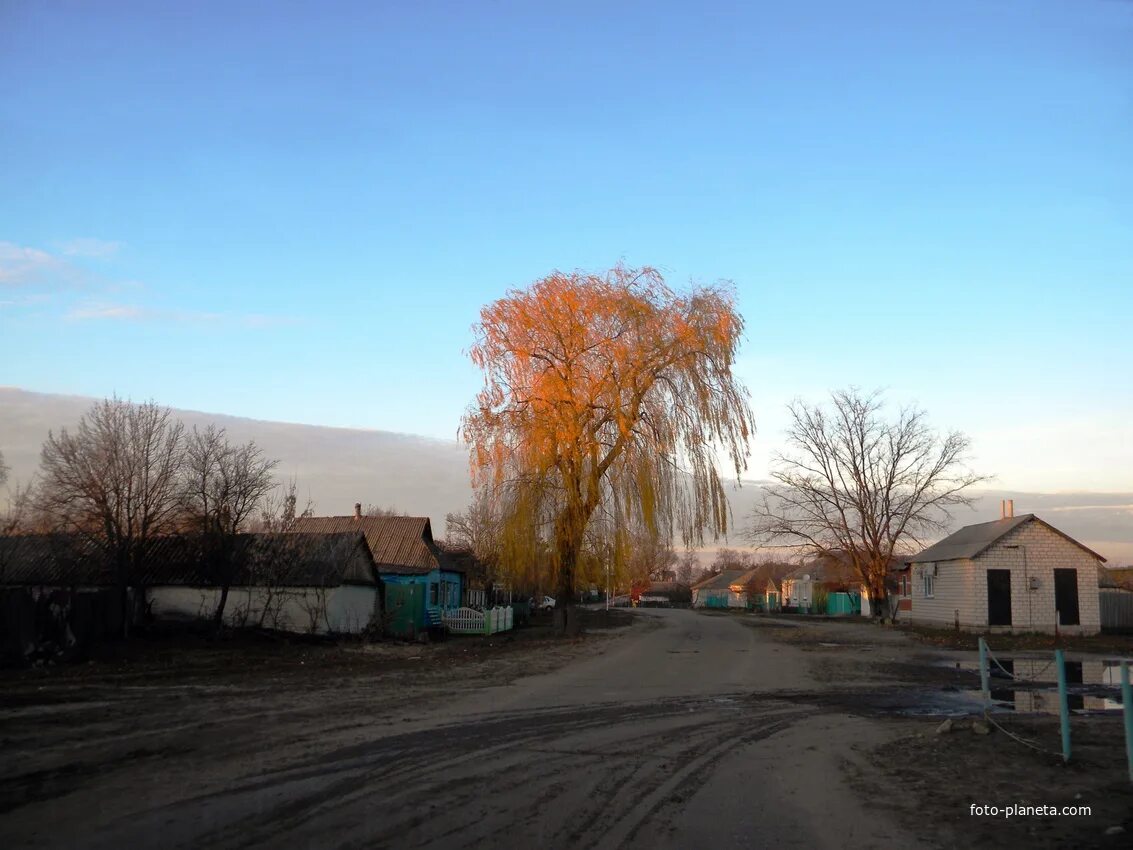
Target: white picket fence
x=469, y=621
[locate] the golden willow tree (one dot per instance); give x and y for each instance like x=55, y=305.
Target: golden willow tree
x=605, y=394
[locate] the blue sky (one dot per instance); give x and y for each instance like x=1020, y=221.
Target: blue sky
x=295, y=211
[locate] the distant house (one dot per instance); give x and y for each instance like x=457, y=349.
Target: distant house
x=829, y=573
x=833, y=575
x=726, y=589
x=667, y=594
x=1016, y=574
x=798, y=589
x=477, y=577
x=903, y=579
x=763, y=592
x=419, y=580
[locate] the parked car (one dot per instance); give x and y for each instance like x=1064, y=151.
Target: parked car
x=547, y=604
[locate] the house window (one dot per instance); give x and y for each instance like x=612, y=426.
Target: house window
x=929, y=582
x=433, y=593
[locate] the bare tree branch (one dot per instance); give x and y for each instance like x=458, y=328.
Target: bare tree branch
x=860, y=486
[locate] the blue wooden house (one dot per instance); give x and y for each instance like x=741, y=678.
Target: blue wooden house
x=419, y=580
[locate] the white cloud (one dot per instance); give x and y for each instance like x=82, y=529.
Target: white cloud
x=98, y=249
x=1088, y=453
x=99, y=311
x=23, y=266
x=105, y=311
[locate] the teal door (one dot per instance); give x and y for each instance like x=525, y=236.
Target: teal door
x=405, y=609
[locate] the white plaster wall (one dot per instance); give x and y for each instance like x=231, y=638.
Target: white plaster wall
x=351, y=607
x=345, y=610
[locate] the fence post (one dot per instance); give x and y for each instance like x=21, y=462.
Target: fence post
x=1063, y=704
x=1127, y=712
x=985, y=688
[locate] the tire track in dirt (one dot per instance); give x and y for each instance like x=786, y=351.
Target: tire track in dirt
x=526, y=771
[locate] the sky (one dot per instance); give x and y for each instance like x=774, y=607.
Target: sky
x=294, y=212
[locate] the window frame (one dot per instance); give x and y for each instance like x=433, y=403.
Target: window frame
x=928, y=579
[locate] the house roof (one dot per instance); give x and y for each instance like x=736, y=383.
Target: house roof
x=720, y=581
x=972, y=540
x=52, y=560
x=762, y=577
x=282, y=560
x=835, y=566
x=291, y=560
x=400, y=545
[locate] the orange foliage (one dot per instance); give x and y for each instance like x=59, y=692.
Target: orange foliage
x=606, y=390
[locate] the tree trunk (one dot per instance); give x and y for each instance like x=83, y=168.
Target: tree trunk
x=218, y=617
x=566, y=615
x=122, y=568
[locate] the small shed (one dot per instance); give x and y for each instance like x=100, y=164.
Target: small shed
x=723, y=590
x=1015, y=574
x=305, y=583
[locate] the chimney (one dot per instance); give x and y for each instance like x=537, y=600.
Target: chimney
x=1010, y=508
x=1003, y=509
x=357, y=510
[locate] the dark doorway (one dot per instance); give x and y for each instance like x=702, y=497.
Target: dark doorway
x=1066, y=597
x=999, y=597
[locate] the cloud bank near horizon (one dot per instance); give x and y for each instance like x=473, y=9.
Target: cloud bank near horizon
x=337, y=467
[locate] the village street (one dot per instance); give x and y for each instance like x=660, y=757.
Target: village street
x=685, y=731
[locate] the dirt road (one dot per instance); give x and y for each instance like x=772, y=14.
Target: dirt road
x=688, y=731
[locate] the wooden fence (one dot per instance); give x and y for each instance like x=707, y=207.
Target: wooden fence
x=1116, y=609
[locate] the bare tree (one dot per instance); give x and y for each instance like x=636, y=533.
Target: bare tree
x=687, y=567
x=377, y=511
x=476, y=529
x=115, y=480
x=279, y=549
x=18, y=510
x=861, y=487
x=224, y=486
x=279, y=511
x=17, y=517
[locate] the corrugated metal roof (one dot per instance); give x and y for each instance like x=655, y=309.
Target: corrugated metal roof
x=291, y=560
x=399, y=544
x=971, y=540
x=52, y=560
x=283, y=560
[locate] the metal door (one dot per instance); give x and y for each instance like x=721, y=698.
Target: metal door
x=999, y=597
x=1066, y=597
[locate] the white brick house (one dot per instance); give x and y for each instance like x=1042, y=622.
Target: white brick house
x=1016, y=574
